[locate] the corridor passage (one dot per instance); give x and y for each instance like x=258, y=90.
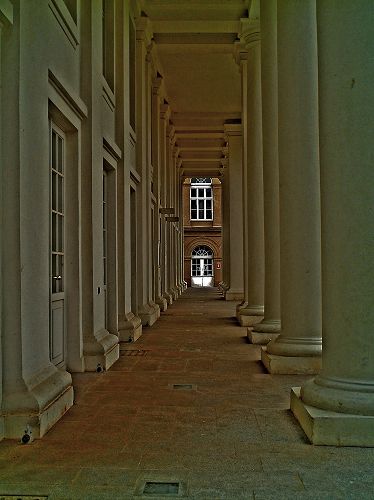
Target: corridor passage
x=189, y=403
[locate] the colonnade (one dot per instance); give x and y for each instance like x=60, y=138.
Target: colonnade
x=308, y=207
x=92, y=111
x=91, y=239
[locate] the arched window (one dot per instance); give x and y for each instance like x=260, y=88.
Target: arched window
x=202, y=266
x=201, y=198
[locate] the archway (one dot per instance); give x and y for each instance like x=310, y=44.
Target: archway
x=202, y=267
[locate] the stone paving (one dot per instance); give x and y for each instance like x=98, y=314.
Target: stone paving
x=188, y=403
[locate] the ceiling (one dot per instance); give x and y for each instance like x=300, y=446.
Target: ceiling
x=195, y=42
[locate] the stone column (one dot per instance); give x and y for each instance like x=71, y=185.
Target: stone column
x=225, y=283
x=234, y=221
x=129, y=325
x=164, y=117
x=337, y=407
x=298, y=348
x=158, y=137
x=269, y=327
x=170, y=139
x=253, y=309
x=148, y=311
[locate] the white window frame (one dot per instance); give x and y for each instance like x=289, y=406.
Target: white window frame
x=202, y=200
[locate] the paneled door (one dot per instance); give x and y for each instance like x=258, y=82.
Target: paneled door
x=57, y=245
x=105, y=246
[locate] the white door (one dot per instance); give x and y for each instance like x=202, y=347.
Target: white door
x=202, y=267
x=57, y=246
x=105, y=245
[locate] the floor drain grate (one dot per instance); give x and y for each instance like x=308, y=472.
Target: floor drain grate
x=155, y=488
x=134, y=352
x=183, y=387
x=21, y=497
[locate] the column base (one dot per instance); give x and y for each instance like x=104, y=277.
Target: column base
x=50, y=396
x=101, y=353
x=174, y=292
x=260, y=338
x=249, y=315
x=169, y=298
x=149, y=314
x=129, y=328
x=223, y=286
x=162, y=303
x=291, y=365
x=330, y=428
x=232, y=294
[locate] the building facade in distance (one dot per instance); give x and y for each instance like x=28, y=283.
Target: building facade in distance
x=202, y=218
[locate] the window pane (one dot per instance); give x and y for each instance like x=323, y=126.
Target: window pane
x=193, y=214
x=54, y=191
x=209, y=214
x=193, y=204
x=54, y=140
x=60, y=233
x=201, y=214
x=201, y=204
x=208, y=192
x=60, y=155
x=60, y=194
x=201, y=192
x=208, y=204
x=193, y=192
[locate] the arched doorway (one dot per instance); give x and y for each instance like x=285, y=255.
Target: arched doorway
x=202, y=266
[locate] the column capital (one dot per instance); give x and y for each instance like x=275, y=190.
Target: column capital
x=144, y=31
x=250, y=31
x=224, y=163
x=232, y=129
x=240, y=53
x=164, y=111
x=170, y=132
x=156, y=85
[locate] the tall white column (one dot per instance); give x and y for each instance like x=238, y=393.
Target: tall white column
x=225, y=283
x=129, y=325
x=164, y=119
x=148, y=311
x=233, y=224
x=253, y=306
x=158, y=138
x=298, y=347
x=337, y=407
x=269, y=327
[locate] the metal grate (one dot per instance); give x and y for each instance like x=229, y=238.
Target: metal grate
x=160, y=488
x=21, y=497
x=134, y=352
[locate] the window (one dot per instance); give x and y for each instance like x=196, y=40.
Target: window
x=108, y=42
x=132, y=69
x=201, y=198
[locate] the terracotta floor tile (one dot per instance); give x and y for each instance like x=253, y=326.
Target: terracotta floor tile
x=231, y=436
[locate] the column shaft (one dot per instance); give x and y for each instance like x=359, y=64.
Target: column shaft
x=253, y=181
x=233, y=225
x=269, y=327
x=298, y=348
x=337, y=407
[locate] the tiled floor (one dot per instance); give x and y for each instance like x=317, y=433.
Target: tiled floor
x=230, y=435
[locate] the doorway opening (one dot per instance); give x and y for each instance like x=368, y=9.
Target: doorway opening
x=202, y=267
